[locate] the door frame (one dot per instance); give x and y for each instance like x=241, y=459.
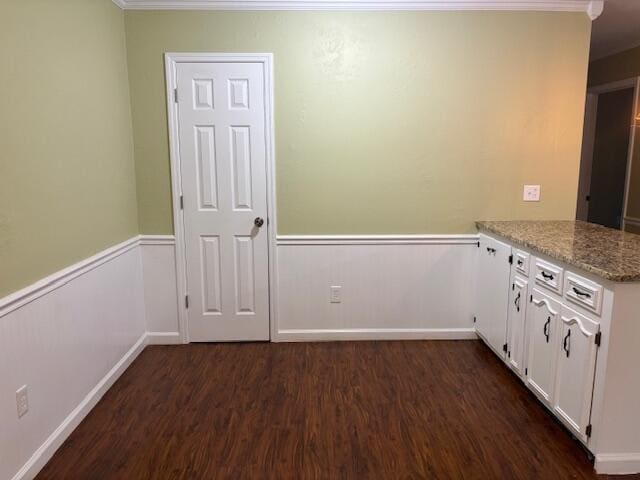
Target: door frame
x=591, y=112
x=171, y=62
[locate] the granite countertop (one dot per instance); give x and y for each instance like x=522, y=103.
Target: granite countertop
x=608, y=253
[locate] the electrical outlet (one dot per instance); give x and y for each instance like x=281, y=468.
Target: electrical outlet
x=335, y=294
x=531, y=193
x=22, y=401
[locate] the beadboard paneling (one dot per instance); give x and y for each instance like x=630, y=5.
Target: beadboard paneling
x=390, y=289
x=67, y=341
x=160, y=293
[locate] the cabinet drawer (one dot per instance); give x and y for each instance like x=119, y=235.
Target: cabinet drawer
x=521, y=262
x=548, y=275
x=583, y=292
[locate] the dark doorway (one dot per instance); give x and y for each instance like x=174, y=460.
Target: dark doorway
x=610, y=154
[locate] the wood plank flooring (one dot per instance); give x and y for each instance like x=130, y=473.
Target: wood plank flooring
x=349, y=410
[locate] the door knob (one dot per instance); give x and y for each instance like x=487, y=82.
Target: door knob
x=258, y=222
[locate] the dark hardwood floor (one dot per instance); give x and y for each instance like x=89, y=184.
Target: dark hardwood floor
x=397, y=410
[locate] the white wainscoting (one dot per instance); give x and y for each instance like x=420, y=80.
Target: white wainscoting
x=393, y=287
x=71, y=335
x=68, y=338
x=160, y=293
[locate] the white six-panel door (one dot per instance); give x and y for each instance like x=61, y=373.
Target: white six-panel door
x=221, y=122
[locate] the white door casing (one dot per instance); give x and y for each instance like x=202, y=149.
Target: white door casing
x=221, y=139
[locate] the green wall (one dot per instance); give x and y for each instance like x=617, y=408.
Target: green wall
x=67, y=185
x=404, y=122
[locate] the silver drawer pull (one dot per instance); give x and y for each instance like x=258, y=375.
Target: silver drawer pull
x=580, y=293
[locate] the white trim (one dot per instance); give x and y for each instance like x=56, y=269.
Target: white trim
x=635, y=110
x=613, y=86
x=617, y=463
x=635, y=221
x=56, y=280
x=586, y=155
x=157, y=240
x=266, y=59
x=377, y=239
x=320, y=335
x=44, y=453
x=593, y=8
x=633, y=82
x=163, y=338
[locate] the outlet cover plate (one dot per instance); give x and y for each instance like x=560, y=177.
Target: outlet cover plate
x=335, y=294
x=531, y=193
x=22, y=401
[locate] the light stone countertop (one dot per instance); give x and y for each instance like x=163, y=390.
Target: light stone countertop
x=607, y=253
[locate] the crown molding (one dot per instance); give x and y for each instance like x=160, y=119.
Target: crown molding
x=593, y=8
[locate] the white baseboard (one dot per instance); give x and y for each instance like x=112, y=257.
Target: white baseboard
x=39, y=459
x=632, y=221
x=164, y=338
x=43, y=454
x=308, y=335
x=617, y=463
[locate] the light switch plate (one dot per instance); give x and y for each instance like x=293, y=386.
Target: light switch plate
x=531, y=193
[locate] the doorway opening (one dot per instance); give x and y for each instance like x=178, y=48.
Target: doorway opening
x=607, y=153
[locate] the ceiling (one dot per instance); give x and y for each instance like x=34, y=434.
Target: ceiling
x=617, y=29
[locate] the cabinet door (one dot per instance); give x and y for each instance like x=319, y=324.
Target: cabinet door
x=577, y=351
x=543, y=315
x=516, y=324
x=493, y=292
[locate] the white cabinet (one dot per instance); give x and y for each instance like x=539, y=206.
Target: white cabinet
x=575, y=335
x=516, y=324
x=493, y=292
x=577, y=350
x=543, y=316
